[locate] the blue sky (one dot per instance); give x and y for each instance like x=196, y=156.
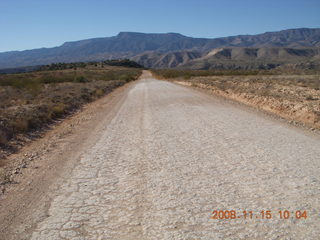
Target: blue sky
x=28, y=24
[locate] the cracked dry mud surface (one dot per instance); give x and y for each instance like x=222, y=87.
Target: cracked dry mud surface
x=170, y=156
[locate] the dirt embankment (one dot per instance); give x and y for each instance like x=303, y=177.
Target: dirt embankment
x=295, y=98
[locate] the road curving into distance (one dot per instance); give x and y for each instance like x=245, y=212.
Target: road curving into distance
x=168, y=158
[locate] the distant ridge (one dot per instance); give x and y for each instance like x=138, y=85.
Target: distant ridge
x=157, y=50
x=253, y=58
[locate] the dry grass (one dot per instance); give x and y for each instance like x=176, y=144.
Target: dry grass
x=29, y=101
x=187, y=74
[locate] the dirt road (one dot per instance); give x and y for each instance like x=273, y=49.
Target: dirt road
x=164, y=160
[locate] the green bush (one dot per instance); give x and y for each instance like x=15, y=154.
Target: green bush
x=80, y=79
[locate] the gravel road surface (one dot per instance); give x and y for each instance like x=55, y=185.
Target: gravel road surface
x=172, y=155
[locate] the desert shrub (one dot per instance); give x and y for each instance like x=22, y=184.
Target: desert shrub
x=59, y=109
x=223, y=85
x=123, y=63
x=34, y=122
x=99, y=92
x=34, y=81
x=310, y=98
x=20, y=125
x=18, y=83
x=187, y=74
x=127, y=77
x=86, y=97
x=80, y=79
x=40, y=115
x=51, y=78
x=3, y=138
x=34, y=88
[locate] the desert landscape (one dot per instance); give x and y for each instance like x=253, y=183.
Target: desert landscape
x=154, y=159
x=124, y=120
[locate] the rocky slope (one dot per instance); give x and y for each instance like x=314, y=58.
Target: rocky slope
x=166, y=60
x=253, y=58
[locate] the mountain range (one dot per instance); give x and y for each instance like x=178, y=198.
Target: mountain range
x=169, y=50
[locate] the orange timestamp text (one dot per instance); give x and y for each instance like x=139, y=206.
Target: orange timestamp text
x=264, y=214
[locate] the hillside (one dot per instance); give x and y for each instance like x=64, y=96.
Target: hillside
x=253, y=58
x=132, y=45
x=166, y=60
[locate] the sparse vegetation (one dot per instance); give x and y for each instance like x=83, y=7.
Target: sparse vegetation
x=76, y=65
x=63, y=66
x=3, y=138
x=28, y=101
x=187, y=74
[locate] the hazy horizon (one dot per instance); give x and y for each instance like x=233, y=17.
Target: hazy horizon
x=37, y=24
x=131, y=32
